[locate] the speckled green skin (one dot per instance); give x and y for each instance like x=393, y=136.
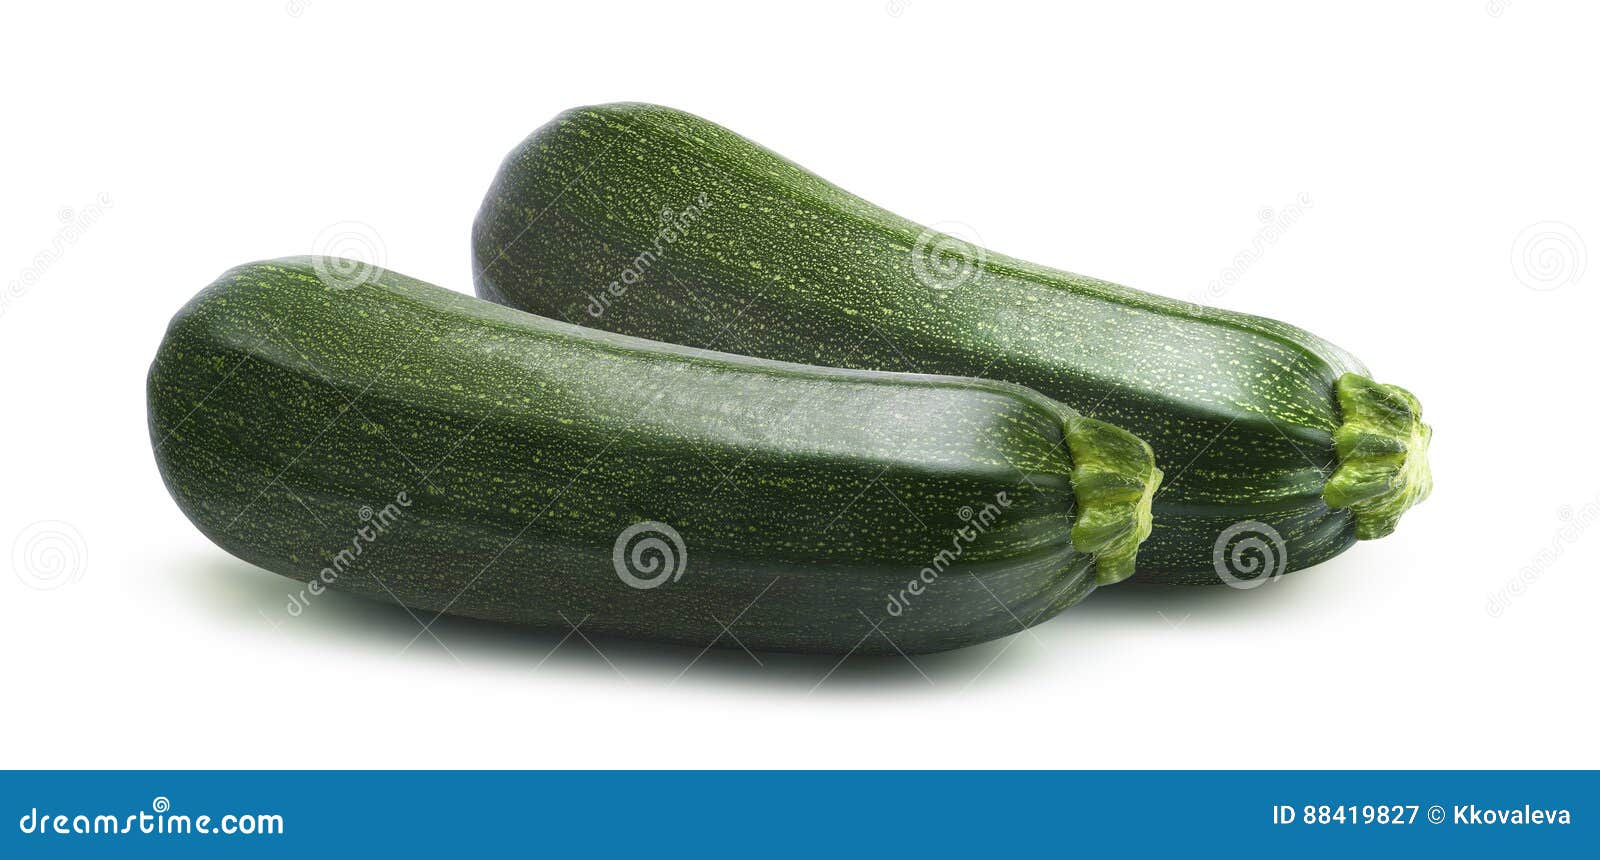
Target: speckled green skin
x=805, y=497
x=777, y=262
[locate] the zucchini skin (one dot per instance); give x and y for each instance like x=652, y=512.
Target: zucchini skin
x=284, y=410
x=585, y=222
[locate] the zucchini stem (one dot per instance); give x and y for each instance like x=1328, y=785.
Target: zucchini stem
x=1114, y=479
x=1382, y=446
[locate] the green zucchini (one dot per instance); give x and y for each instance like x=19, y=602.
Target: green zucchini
x=526, y=470
x=649, y=221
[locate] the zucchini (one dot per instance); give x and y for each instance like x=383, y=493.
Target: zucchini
x=526, y=470
x=649, y=221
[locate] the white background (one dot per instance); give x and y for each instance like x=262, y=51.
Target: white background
x=1449, y=154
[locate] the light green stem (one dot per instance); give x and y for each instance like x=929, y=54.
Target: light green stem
x=1114, y=478
x=1383, y=455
